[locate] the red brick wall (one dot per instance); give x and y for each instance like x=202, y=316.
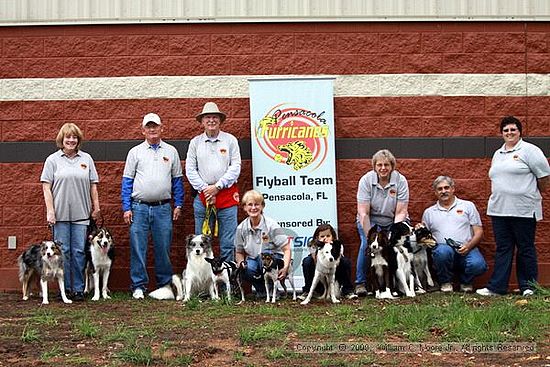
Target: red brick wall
x=264, y=49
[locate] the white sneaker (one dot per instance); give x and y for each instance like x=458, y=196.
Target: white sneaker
x=527, y=293
x=164, y=292
x=138, y=293
x=446, y=287
x=486, y=292
x=466, y=288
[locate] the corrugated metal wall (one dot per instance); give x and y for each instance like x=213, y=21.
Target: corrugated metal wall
x=132, y=11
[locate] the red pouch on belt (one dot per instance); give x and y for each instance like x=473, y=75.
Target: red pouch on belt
x=225, y=198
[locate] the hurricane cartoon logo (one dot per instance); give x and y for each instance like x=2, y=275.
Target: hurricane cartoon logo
x=294, y=136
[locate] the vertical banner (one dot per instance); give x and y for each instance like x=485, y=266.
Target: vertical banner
x=293, y=159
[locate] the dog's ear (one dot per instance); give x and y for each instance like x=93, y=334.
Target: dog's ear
x=207, y=239
x=209, y=259
x=58, y=243
x=189, y=238
x=336, y=248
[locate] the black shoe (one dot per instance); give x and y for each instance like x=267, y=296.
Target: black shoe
x=78, y=297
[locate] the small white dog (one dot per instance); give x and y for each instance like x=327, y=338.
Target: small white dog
x=328, y=258
x=197, y=276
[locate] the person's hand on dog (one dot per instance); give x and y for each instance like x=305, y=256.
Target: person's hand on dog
x=283, y=273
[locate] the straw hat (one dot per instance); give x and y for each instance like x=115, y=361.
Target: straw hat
x=211, y=108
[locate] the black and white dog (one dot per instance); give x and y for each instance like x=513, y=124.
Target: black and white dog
x=328, y=258
x=43, y=261
x=197, y=276
x=270, y=270
x=400, y=241
x=100, y=254
x=422, y=241
x=227, y=273
x=382, y=263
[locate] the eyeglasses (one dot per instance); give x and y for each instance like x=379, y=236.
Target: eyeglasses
x=509, y=130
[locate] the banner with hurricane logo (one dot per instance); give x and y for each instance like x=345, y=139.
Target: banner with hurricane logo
x=293, y=158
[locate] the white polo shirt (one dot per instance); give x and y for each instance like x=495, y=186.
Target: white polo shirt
x=382, y=200
x=513, y=174
x=455, y=222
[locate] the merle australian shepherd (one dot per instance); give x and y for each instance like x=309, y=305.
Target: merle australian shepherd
x=44, y=262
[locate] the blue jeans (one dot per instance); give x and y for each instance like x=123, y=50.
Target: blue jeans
x=227, y=226
x=447, y=261
x=158, y=221
x=511, y=232
x=73, y=237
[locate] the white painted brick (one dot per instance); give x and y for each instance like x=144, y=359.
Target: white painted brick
x=357, y=85
x=23, y=89
x=442, y=84
x=400, y=84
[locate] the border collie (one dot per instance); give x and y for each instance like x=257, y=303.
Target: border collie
x=270, y=269
x=227, y=273
x=400, y=241
x=43, y=261
x=100, y=254
x=197, y=276
x=328, y=258
x=381, y=258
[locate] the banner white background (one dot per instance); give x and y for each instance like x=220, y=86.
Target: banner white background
x=293, y=158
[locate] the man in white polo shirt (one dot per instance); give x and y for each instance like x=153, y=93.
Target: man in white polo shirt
x=152, y=174
x=456, y=226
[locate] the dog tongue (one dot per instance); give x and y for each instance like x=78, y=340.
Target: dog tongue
x=104, y=250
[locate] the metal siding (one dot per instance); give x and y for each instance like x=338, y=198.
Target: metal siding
x=132, y=11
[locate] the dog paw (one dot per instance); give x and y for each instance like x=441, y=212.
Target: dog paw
x=106, y=296
x=68, y=301
x=25, y=298
x=336, y=301
x=305, y=302
x=95, y=298
x=420, y=291
x=45, y=302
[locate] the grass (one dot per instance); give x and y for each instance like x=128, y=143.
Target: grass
x=29, y=334
x=173, y=334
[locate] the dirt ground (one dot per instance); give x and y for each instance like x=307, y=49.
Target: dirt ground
x=187, y=338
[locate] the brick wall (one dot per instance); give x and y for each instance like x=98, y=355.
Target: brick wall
x=265, y=49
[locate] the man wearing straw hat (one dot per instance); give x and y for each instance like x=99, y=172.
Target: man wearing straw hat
x=212, y=166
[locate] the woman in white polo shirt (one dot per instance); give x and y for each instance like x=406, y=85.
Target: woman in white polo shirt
x=519, y=172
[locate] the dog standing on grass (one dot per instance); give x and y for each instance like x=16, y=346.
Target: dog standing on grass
x=227, y=273
x=100, y=254
x=270, y=270
x=328, y=258
x=43, y=261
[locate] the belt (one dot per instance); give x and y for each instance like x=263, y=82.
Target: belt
x=153, y=203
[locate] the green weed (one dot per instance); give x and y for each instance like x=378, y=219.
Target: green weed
x=270, y=330
x=136, y=354
x=29, y=334
x=86, y=328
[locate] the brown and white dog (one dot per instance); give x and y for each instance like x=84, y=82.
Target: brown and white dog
x=100, y=254
x=44, y=262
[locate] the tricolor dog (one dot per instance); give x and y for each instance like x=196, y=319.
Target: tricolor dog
x=328, y=258
x=400, y=241
x=197, y=276
x=382, y=259
x=422, y=240
x=227, y=273
x=44, y=262
x=270, y=270
x=100, y=253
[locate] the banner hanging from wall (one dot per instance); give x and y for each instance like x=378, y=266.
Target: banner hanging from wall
x=293, y=158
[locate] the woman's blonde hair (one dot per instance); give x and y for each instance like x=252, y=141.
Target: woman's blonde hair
x=68, y=129
x=384, y=154
x=254, y=196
